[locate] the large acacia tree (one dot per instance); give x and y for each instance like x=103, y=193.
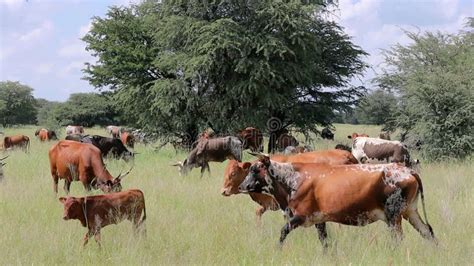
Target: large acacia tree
x=179, y=66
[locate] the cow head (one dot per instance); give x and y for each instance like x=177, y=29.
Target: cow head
x=356, y=135
x=72, y=208
x=38, y=131
x=52, y=135
x=234, y=174
x=258, y=179
x=183, y=167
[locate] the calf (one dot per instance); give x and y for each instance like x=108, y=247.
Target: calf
x=356, y=135
x=20, y=141
x=236, y=172
x=75, y=161
x=211, y=150
x=374, y=150
x=114, y=131
x=96, y=212
x=252, y=139
x=365, y=194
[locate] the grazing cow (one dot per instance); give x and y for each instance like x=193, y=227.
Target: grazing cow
x=236, y=172
x=252, y=139
x=374, y=150
x=346, y=194
x=105, y=145
x=343, y=147
x=356, y=135
x=96, y=212
x=127, y=139
x=75, y=161
x=20, y=141
x=384, y=135
x=211, y=150
x=45, y=134
x=285, y=140
x=114, y=131
x=71, y=130
x=327, y=134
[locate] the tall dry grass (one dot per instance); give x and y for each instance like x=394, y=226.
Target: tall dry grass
x=189, y=222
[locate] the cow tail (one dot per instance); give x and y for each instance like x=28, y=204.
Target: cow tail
x=28, y=146
x=420, y=190
x=144, y=212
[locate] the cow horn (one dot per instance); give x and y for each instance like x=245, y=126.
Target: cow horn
x=120, y=176
x=179, y=163
x=259, y=154
x=4, y=158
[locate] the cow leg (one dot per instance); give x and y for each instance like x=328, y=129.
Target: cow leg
x=322, y=234
x=55, y=183
x=204, y=167
x=86, y=238
x=97, y=238
x=67, y=186
x=294, y=222
x=424, y=229
x=259, y=212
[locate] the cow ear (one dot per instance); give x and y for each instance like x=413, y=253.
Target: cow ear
x=62, y=200
x=246, y=165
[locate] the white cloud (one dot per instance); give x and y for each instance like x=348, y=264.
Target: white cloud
x=12, y=4
x=37, y=33
x=83, y=30
x=44, y=68
x=73, y=49
x=446, y=8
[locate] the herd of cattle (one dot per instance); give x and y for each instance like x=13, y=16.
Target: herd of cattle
x=372, y=180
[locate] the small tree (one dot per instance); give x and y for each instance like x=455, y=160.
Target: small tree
x=435, y=79
x=376, y=107
x=17, y=104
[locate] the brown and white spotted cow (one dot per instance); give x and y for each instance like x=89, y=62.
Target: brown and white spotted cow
x=375, y=150
x=346, y=194
x=235, y=173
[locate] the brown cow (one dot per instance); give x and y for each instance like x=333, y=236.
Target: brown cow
x=346, y=194
x=75, y=161
x=127, y=139
x=45, y=134
x=285, y=140
x=252, y=139
x=236, y=172
x=20, y=141
x=95, y=212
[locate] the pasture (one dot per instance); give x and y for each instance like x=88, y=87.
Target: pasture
x=189, y=222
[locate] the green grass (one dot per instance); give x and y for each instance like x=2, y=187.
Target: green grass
x=189, y=222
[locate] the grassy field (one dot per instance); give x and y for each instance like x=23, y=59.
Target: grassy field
x=189, y=222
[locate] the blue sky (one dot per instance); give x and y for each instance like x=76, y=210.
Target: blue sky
x=40, y=42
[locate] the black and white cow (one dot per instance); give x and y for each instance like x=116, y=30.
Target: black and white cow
x=375, y=150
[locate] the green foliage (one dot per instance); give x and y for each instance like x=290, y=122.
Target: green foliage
x=376, y=108
x=17, y=104
x=180, y=66
x=87, y=109
x=434, y=77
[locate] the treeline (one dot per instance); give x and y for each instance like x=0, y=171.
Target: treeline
x=18, y=106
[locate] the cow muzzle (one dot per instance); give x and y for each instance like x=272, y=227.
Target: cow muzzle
x=225, y=192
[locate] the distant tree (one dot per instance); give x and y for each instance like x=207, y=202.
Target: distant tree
x=177, y=67
x=45, y=115
x=434, y=76
x=17, y=104
x=376, y=108
x=87, y=109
